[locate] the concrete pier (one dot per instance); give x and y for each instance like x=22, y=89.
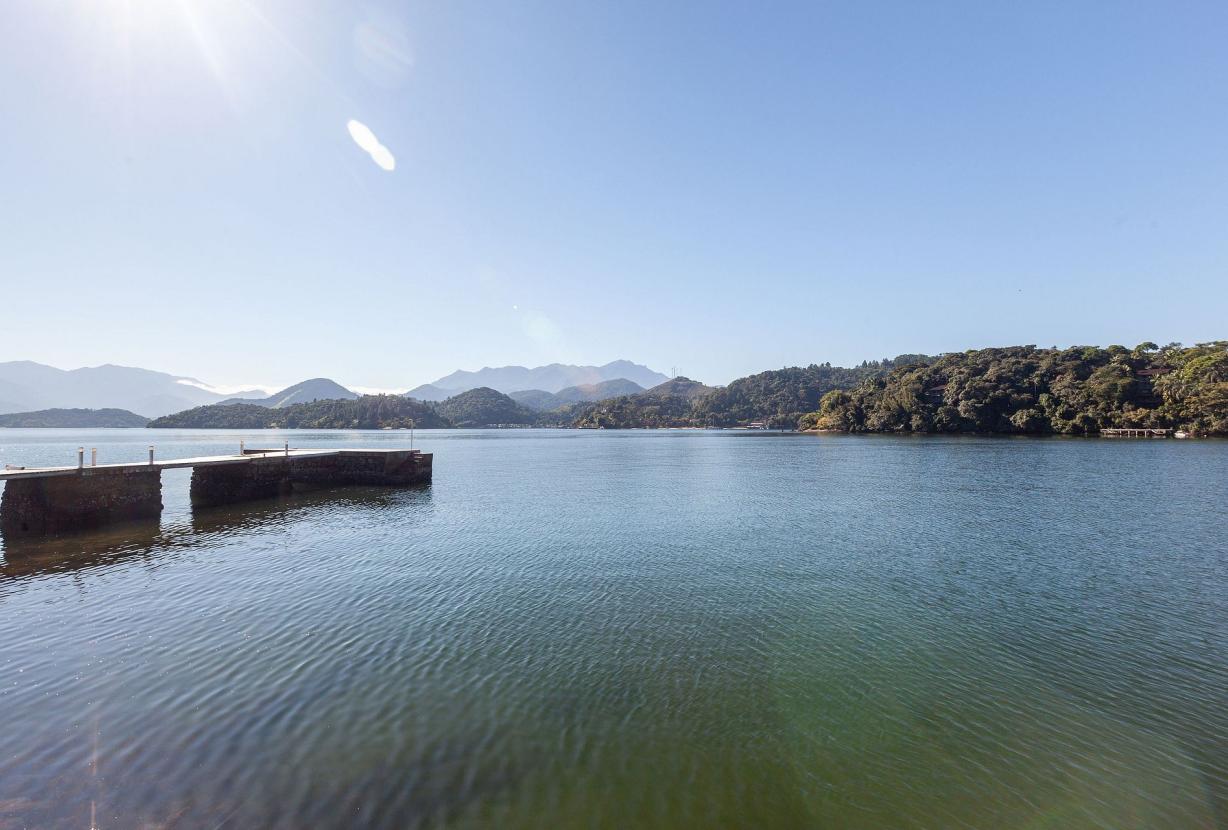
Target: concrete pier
x=272, y=474
x=66, y=504
x=57, y=500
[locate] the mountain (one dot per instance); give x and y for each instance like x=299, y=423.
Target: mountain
x=25, y=385
x=552, y=378
x=366, y=412
x=484, y=407
x=428, y=392
x=73, y=419
x=598, y=391
x=316, y=389
x=678, y=387
x=543, y=401
x=538, y=400
x=667, y=404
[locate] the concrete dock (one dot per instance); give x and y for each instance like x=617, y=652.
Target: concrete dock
x=47, y=501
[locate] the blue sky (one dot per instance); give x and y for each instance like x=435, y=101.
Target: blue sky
x=722, y=188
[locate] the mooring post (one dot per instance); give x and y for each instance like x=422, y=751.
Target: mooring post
x=242, y=448
x=93, y=456
x=80, y=457
x=151, y=455
x=287, y=449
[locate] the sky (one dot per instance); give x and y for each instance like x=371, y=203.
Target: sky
x=258, y=192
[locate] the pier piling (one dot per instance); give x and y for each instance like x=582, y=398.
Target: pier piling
x=57, y=500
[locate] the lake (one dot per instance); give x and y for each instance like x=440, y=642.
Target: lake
x=634, y=629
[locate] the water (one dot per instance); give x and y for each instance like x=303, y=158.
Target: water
x=637, y=629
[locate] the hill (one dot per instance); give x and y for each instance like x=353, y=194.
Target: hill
x=780, y=396
x=1026, y=390
x=551, y=378
x=428, y=392
x=668, y=404
x=539, y=400
x=315, y=389
x=74, y=419
x=543, y=401
x=484, y=407
x=777, y=397
x=598, y=391
x=25, y=385
x=365, y=412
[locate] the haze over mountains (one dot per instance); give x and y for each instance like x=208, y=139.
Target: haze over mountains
x=26, y=386
x=553, y=378
x=541, y=400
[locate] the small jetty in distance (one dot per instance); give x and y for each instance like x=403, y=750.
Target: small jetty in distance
x=47, y=501
x=1135, y=432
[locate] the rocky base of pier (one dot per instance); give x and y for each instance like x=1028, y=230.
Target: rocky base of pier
x=274, y=476
x=67, y=504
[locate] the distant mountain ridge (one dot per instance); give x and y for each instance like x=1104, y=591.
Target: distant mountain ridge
x=552, y=378
x=542, y=401
x=28, y=386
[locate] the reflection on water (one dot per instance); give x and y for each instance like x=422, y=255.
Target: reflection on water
x=659, y=630
x=136, y=539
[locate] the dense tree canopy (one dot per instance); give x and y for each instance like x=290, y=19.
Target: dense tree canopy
x=669, y=405
x=484, y=407
x=777, y=397
x=1017, y=389
x=367, y=412
x=73, y=418
x=1023, y=389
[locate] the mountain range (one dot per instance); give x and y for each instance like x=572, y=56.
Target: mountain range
x=26, y=386
x=543, y=401
x=473, y=408
x=553, y=379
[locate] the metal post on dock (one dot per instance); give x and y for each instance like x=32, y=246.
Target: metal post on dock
x=93, y=456
x=242, y=448
x=287, y=448
x=80, y=457
x=151, y=454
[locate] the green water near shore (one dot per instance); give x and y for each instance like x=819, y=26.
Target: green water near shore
x=648, y=629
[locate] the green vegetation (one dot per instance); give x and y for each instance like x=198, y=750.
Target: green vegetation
x=776, y=398
x=668, y=405
x=779, y=397
x=1018, y=389
x=366, y=412
x=1026, y=390
x=483, y=407
x=73, y=418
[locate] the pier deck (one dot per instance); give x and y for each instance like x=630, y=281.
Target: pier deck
x=43, y=501
x=10, y=472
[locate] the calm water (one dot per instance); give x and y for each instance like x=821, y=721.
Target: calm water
x=641, y=629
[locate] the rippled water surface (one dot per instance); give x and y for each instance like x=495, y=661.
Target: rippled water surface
x=640, y=629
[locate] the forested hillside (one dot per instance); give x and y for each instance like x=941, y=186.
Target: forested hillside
x=366, y=412
x=1028, y=390
x=73, y=418
x=670, y=404
x=780, y=396
x=484, y=407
